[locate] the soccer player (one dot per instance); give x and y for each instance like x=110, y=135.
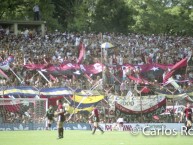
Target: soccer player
x=188, y=115
x=95, y=116
x=61, y=118
x=50, y=117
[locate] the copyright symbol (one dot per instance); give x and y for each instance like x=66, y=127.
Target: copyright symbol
x=134, y=131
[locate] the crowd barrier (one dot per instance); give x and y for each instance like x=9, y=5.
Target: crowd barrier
x=86, y=126
x=42, y=126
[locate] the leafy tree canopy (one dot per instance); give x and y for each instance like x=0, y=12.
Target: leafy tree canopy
x=122, y=16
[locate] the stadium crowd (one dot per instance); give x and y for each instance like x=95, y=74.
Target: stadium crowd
x=60, y=47
x=56, y=48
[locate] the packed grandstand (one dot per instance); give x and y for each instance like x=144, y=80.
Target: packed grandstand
x=125, y=75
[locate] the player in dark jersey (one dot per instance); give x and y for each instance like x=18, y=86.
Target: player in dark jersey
x=95, y=116
x=61, y=118
x=50, y=117
x=188, y=114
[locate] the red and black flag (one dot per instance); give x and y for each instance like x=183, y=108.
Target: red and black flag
x=177, y=66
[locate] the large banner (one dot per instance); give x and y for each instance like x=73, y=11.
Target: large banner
x=67, y=68
x=145, y=107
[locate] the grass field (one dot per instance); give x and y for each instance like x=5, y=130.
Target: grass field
x=86, y=138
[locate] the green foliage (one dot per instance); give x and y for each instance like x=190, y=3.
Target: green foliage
x=47, y=9
x=139, y=16
x=112, y=16
x=82, y=18
x=167, y=16
x=23, y=10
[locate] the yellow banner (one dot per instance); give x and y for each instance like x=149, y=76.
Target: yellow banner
x=87, y=99
x=71, y=110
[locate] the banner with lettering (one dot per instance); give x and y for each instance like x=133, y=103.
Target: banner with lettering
x=137, y=107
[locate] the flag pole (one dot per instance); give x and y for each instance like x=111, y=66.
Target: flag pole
x=73, y=93
x=43, y=76
x=172, y=92
x=141, y=108
x=16, y=75
x=106, y=93
x=66, y=100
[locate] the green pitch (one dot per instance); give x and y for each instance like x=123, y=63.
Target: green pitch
x=85, y=138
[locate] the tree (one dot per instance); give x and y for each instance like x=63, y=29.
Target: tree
x=167, y=16
x=23, y=10
x=139, y=16
x=112, y=16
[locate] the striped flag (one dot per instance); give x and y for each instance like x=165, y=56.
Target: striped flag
x=5, y=64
